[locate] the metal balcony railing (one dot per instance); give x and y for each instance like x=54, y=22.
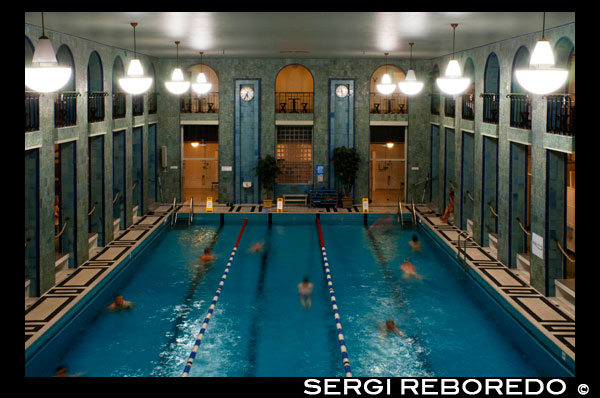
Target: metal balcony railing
x=119, y=101
x=137, y=104
x=207, y=103
x=294, y=102
x=395, y=103
x=491, y=107
x=96, y=106
x=560, y=118
x=152, y=102
x=435, y=104
x=468, y=106
x=32, y=111
x=65, y=109
x=520, y=110
x=449, y=106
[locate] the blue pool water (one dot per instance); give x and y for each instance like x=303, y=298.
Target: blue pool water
x=259, y=328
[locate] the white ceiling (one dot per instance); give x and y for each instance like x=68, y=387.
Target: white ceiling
x=297, y=34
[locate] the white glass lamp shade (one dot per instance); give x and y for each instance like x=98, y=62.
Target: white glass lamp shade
x=542, y=77
x=386, y=86
x=177, y=85
x=45, y=75
x=410, y=85
x=135, y=82
x=201, y=86
x=453, y=82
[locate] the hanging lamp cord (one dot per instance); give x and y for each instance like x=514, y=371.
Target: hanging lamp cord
x=543, y=25
x=134, y=24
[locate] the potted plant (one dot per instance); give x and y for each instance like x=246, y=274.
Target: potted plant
x=267, y=171
x=345, y=163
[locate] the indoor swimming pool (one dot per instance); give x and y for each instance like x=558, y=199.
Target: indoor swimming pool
x=259, y=328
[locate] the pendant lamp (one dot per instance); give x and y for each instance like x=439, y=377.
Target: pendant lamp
x=202, y=85
x=542, y=77
x=177, y=85
x=453, y=82
x=45, y=75
x=386, y=86
x=135, y=82
x=410, y=85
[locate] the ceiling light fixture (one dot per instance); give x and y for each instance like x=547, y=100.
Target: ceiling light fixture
x=177, y=85
x=45, y=75
x=542, y=77
x=135, y=82
x=389, y=145
x=410, y=85
x=453, y=82
x=386, y=86
x=202, y=85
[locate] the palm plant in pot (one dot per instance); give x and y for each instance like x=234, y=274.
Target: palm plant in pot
x=345, y=163
x=267, y=171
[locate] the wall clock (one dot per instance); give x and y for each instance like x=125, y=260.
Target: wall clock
x=341, y=91
x=246, y=93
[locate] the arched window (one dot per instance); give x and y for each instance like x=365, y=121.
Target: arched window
x=65, y=104
x=491, y=89
x=95, y=89
x=152, y=100
x=520, y=103
x=32, y=98
x=395, y=102
x=435, y=90
x=294, y=89
x=561, y=105
x=192, y=102
x=468, y=98
x=119, y=98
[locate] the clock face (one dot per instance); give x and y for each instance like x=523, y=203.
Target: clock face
x=246, y=93
x=341, y=91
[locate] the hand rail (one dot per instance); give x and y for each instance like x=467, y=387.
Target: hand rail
x=470, y=197
x=26, y=242
x=191, y=210
x=522, y=227
x=63, y=229
x=400, y=212
x=93, y=209
x=563, y=251
x=422, y=182
x=116, y=196
x=452, y=185
x=134, y=184
x=414, y=213
x=466, y=235
x=492, y=209
x=174, y=218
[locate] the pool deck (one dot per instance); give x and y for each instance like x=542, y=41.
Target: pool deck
x=553, y=320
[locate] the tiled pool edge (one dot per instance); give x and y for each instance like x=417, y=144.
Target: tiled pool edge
x=556, y=335
x=64, y=301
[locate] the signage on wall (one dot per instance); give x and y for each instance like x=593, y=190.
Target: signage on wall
x=279, y=205
x=537, y=245
x=209, y=204
x=320, y=172
x=365, y=205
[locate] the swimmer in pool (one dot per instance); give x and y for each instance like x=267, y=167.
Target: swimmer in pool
x=304, y=290
x=119, y=304
x=207, y=257
x=410, y=271
x=257, y=247
x=390, y=327
x=415, y=244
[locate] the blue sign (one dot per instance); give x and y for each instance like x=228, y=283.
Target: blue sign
x=320, y=169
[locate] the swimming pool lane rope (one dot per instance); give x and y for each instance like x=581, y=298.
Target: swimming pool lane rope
x=209, y=313
x=334, y=304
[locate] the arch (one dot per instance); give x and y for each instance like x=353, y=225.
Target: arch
x=118, y=72
x=520, y=61
x=192, y=71
x=95, y=74
x=64, y=57
x=152, y=74
x=294, y=78
x=469, y=71
x=395, y=72
x=491, y=80
x=29, y=49
x=433, y=75
x=564, y=55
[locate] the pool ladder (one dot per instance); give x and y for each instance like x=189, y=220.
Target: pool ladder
x=463, y=263
x=413, y=214
x=174, y=218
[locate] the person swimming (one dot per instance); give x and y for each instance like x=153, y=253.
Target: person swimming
x=410, y=271
x=207, y=257
x=415, y=243
x=304, y=290
x=390, y=327
x=119, y=304
x=257, y=247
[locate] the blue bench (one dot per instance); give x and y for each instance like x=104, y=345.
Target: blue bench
x=323, y=197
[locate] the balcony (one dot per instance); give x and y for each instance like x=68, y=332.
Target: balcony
x=119, y=101
x=468, y=107
x=152, y=103
x=137, y=104
x=449, y=106
x=394, y=103
x=520, y=110
x=294, y=102
x=191, y=103
x=32, y=111
x=65, y=109
x=435, y=104
x=560, y=114
x=96, y=106
x=491, y=106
